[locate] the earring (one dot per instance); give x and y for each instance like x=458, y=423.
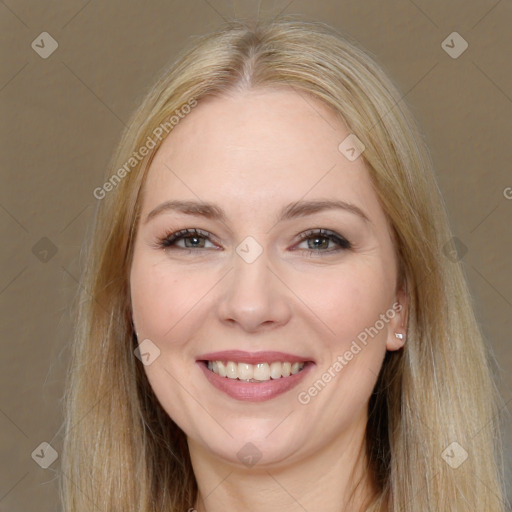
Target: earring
x=399, y=335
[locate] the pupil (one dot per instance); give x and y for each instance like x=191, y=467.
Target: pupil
x=323, y=242
x=189, y=239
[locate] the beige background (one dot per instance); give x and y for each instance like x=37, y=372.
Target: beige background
x=62, y=116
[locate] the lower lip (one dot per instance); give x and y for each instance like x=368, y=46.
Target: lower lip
x=254, y=391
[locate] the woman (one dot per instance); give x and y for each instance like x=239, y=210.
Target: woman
x=268, y=318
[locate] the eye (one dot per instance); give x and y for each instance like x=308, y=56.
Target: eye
x=185, y=239
x=321, y=241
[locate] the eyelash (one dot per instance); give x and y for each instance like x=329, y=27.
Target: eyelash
x=170, y=239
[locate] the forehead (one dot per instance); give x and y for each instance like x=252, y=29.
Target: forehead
x=257, y=148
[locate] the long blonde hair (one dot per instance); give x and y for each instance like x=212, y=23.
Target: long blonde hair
x=434, y=403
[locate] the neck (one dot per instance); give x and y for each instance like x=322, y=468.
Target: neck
x=333, y=479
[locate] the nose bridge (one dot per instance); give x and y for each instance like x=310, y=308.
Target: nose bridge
x=253, y=295
x=251, y=269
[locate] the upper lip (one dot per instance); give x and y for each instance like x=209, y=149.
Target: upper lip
x=241, y=356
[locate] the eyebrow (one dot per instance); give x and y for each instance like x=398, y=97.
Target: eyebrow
x=291, y=211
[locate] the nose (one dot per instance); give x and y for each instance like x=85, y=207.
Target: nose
x=254, y=297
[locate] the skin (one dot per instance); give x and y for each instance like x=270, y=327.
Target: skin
x=251, y=153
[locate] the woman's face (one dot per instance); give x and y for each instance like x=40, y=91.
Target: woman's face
x=273, y=275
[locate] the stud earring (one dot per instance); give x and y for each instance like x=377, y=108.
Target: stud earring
x=399, y=335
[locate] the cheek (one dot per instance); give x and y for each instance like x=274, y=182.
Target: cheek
x=349, y=301
x=165, y=310
x=352, y=305
x=161, y=297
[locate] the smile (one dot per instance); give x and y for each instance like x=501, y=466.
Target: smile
x=259, y=372
x=254, y=376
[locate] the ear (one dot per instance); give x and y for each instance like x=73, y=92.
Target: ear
x=397, y=327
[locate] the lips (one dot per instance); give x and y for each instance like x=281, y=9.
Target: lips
x=254, y=376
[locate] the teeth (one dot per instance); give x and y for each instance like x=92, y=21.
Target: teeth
x=254, y=372
x=261, y=371
x=221, y=368
x=295, y=368
x=245, y=371
x=275, y=370
x=231, y=370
